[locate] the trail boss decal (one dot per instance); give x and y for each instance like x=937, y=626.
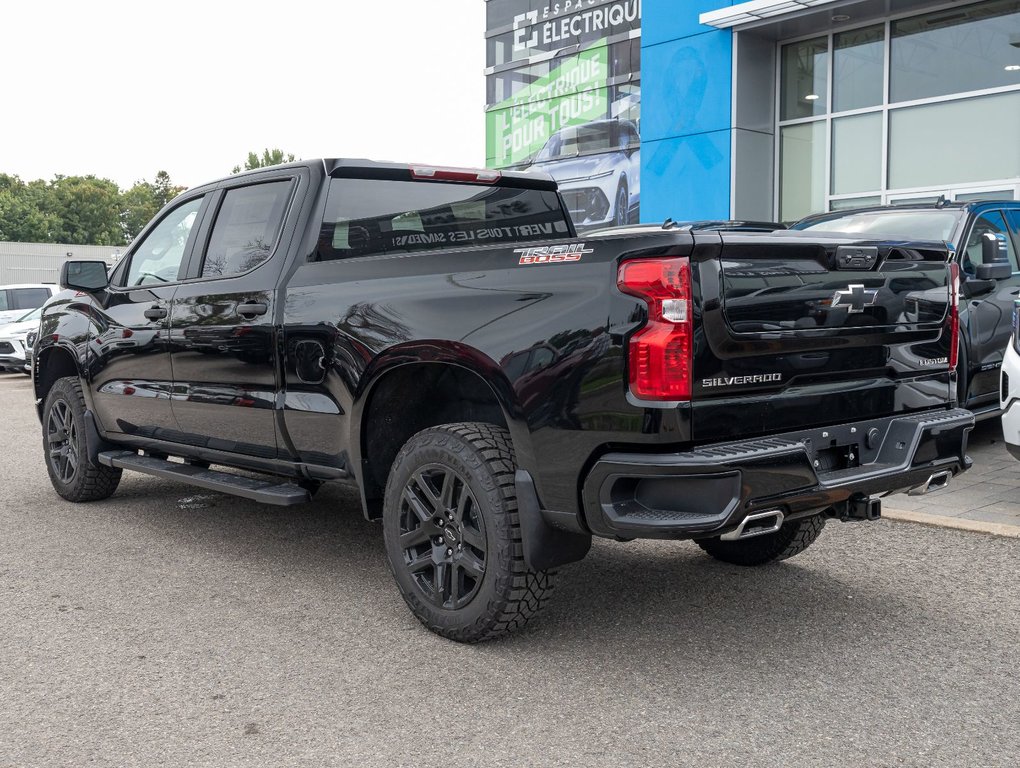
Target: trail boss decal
x=552, y=254
x=729, y=381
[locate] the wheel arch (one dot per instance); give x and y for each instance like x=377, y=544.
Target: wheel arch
x=414, y=387
x=53, y=362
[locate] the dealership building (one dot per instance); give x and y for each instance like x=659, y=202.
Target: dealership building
x=768, y=109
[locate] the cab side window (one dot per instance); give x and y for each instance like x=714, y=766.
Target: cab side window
x=247, y=228
x=993, y=223
x=157, y=259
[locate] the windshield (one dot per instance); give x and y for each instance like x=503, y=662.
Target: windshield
x=931, y=224
x=35, y=314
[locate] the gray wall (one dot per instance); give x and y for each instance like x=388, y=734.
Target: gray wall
x=754, y=96
x=40, y=262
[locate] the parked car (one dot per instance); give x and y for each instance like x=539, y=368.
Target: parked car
x=597, y=167
x=15, y=299
x=1009, y=388
x=14, y=346
x=989, y=276
x=498, y=388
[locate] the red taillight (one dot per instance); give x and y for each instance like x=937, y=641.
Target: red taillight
x=954, y=315
x=466, y=175
x=660, y=354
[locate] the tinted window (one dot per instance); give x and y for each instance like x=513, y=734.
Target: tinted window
x=365, y=216
x=247, y=228
x=29, y=298
x=986, y=223
x=157, y=259
x=909, y=225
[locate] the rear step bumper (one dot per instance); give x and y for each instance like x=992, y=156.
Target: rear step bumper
x=267, y=492
x=755, y=485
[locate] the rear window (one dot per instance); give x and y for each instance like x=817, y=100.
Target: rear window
x=369, y=216
x=29, y=298
x=906, y=225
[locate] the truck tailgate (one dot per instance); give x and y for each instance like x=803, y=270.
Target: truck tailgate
x=799, y=334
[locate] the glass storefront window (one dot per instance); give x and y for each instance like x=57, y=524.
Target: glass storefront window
x=955, y=142
x=858, y=66
x=955, y=50
x=802, y=170
x=804, y=79
x=857, y=153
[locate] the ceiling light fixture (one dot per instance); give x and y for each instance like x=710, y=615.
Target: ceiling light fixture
x=1013, y=68
x=840, y=17
x=811, y=97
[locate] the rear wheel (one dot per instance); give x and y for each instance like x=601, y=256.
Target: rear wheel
x=791, y=539
x=622, y=213
x=72, y=474
x=453, y=537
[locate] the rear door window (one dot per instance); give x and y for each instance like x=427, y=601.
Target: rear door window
x=3, y=301
x=370, y=216
x=29, y=298
x=247, y=228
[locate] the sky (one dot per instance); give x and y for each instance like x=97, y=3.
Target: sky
x=122, y=90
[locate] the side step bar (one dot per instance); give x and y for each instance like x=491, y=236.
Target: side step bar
x=264, y=491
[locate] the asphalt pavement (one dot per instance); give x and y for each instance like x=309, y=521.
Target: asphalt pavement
x=175, y=627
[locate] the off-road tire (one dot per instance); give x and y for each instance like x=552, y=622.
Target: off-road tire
x=791, y=539
x=85, y=481
x=507, y=594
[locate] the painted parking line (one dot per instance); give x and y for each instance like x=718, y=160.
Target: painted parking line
x=941, y=521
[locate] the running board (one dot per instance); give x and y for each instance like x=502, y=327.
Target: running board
x=264, y=491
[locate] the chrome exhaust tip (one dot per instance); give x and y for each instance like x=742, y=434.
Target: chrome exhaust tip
x=757, y=524
x=937, y=481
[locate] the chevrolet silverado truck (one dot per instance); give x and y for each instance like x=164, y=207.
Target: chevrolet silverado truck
x=984, y=238
x=499, y=389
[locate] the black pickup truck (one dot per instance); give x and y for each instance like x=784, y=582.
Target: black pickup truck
x=499, y=389
x=984, y=238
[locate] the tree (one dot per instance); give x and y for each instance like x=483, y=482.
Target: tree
x=88, y=208
x=25, y=214
x=269, y=158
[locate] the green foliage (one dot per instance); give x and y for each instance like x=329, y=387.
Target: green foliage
x=269, y=158
x=80, y=210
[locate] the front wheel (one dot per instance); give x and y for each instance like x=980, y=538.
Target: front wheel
x=453, y=536
x=72, y=474
x=791, y=539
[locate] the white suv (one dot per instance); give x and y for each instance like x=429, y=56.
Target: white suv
x=16, y=300
x=1009, y=388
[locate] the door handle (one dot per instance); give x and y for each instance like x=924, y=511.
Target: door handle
x=154, y=313
x=252, y=309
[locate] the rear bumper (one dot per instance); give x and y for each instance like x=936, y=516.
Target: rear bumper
x=710, y=490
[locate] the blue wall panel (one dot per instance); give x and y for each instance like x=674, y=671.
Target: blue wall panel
x=663, y=20
x=686, y=106
x=686, y=178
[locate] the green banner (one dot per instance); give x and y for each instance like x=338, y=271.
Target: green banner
x=572, y=94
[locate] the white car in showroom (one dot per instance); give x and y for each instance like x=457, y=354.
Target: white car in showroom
x=14, y=348
x=1009, y=389
x=597, y=168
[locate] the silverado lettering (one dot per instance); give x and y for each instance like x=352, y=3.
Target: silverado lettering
x=758, y=378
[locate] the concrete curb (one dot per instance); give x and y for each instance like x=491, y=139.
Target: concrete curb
x=960, y=524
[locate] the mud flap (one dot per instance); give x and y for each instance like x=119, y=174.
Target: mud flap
x=545, y=547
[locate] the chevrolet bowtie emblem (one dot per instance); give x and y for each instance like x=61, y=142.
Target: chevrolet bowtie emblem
x=854, y=298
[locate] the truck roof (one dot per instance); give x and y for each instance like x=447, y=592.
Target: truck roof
x=340, y=166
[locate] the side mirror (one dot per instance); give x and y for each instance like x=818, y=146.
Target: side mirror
x=993, y=271
x=84, y=275
x=994, y=249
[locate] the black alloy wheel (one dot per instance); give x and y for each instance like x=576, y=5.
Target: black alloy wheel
x=453, y=535
x=62, y=441
x=72, y=473
x=442, y=536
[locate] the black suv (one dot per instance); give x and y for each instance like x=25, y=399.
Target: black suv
x=989, y=275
